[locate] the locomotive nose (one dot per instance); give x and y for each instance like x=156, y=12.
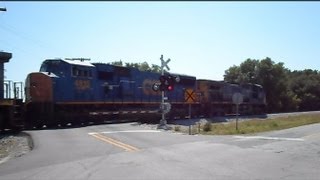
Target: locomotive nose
x=38, y=87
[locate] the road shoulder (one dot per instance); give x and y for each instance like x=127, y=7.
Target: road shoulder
x=14, y=145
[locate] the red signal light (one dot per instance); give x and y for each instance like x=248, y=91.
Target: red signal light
x=167, y=82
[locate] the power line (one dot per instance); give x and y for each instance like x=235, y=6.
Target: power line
x=13, y=31
x=27, y=37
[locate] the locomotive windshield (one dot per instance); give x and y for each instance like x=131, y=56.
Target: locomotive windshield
x=43, y=67
x=50, y=66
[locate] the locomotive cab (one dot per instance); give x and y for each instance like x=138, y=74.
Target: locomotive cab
x=57, y=82
x=39, y=95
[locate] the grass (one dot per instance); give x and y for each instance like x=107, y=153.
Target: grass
x=258, y=125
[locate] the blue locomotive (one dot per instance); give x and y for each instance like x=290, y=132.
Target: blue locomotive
x=77, y=91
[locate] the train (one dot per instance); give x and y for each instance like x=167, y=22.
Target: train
x=76, y=91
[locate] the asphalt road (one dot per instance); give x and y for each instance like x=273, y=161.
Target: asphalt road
x=132, y=151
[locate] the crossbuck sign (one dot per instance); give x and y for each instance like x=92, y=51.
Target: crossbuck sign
x=164, y=63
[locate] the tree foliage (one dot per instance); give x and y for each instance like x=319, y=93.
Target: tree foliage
x=285, y=90
x=141, y=66
x=306, y=86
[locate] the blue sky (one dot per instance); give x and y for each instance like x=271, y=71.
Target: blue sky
x=201, y=38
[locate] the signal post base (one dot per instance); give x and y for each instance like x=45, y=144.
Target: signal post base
x=163, y=125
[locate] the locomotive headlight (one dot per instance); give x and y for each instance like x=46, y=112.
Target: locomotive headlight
x=156, y=87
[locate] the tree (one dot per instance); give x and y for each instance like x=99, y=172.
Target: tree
x=134, y=65
x=285, y=90
x=266, y=73
x=141, y=66
x=144, y=67
x=245, y=73
x=232, y=74
x=156, y=68
x=117, y=63
x=306, y=86
x=273, y=78
x=249, y=71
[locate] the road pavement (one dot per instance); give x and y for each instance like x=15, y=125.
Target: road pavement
x=133, y=151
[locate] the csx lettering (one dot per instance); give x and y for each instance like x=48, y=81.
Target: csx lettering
x=82, y=84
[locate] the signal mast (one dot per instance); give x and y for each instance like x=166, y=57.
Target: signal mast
x=166, y=84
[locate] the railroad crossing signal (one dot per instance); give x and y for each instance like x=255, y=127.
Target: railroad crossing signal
x=171, y=81
x=161, y=86
x=163, y=82
x=165, y=107
x=167, y=83
x=190, y=96
x=164, y=63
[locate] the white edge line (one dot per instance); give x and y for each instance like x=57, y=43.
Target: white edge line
x=131, y=131
x=128, y=131
x=269, y=138
x=92, y=133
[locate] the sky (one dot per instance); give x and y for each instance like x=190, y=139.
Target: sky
x=202, y=39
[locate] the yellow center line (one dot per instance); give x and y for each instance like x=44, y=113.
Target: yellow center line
x=114, y=142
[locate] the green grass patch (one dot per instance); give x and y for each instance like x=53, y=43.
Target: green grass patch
x=177, y=128
x=259, y=125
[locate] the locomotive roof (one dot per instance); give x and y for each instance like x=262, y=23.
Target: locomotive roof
x=211, y=80
x=73, y=62
x=76, y=62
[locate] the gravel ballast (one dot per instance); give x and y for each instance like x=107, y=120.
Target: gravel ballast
x=13, y=145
